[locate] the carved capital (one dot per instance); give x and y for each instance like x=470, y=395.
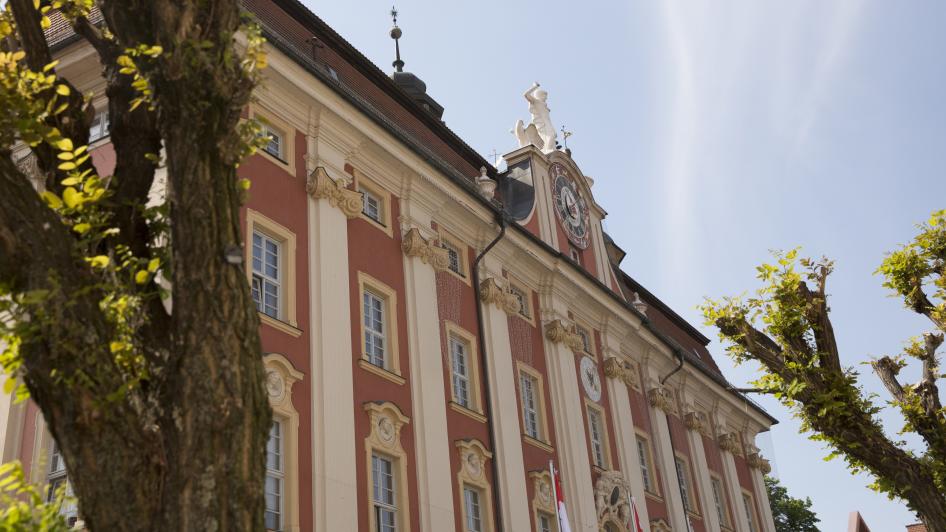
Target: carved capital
x=415, y=245
x=614, y=368
x=320, y=186
x=492, y=293
x=556, y=331
x=697, y=421
x=730, y=443
x=662, y=398
x=756, y=461
x=573, y=341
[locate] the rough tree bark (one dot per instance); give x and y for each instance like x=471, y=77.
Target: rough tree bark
x=184, y=448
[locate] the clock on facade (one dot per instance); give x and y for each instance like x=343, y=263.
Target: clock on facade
x=570, y=207
x=589, y=378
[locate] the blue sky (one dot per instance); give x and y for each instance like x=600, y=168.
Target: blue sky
x=716, y=131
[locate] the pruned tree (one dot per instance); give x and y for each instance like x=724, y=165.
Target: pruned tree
x=131, y=325
x=786, y=327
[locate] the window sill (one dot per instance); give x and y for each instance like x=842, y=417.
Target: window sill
x=472, y=414
x=279, y=325
x=278, y=161
x=381, y=372
x=538, y=443
x=653, y=496
x=379, y=225
x=463, y=278
x=597, y=469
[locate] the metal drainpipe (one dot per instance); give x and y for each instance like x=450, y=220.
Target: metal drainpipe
x=497, y=500
x=673, y=450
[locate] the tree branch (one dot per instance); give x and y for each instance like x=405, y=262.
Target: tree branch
x=816, y=312
x=763, y=348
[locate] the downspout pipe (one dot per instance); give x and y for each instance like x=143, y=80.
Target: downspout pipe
x=673, y=450
x=484, y=358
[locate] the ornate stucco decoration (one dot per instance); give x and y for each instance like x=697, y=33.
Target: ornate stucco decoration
x=320, y=186
x=662, y=398
x=492, y=293
x=730, y=443
x=473, y=457
x=611, y=500
x=280, y=376
x=697, y=421
x=386, y=421
x=756, y=461
x=558, y=332
x=486, y=185
x=415, y=245
x=620, y=370
x=659, y=525
x=542, y=487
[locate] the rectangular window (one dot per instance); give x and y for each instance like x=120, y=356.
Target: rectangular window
x=375, y=339
x=455, y=261
x=276, y=145
x=383, y=493
x=683, y=477
x=521, y=297
x=750, y=511
x=473, y=509
x=528, y=388
x=643, y=458
x=275, y=476
x=99, y=128
x=371, y=205
x=719, y=500
x=57, y=478
x=545, y=522
x=460, y=368
x=267, y=277
x=596, y=430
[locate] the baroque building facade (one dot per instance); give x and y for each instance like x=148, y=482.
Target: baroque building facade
x=437, y=332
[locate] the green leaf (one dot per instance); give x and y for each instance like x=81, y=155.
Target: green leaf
x=64, y=145
x=82, y=228
x=153, y=265
x=142, y=276
x=62, y=90
x=99, y=261
x=51, y=199
x=72, y=197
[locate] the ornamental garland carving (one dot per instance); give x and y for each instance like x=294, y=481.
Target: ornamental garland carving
x=730, y=443
x=622, y=371
x=659, y=525
x=611, y=498
x=320, y=186
x=662, y=398
x=415, y=245
x=557, y=332
x=492, y=293
x=697, y=421
x=756, y=461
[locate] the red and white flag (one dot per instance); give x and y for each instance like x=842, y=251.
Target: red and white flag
x=635, y=525
x=560, y=510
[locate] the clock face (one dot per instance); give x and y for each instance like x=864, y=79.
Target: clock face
x=589, y=378
x=571, y=208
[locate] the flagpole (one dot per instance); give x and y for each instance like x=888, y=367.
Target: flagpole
x=558, y=518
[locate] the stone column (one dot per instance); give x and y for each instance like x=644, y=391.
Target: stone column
x=662, y=404
x=621, y=374
x=728, y=445
x=759, y=467
x=572, y=447
x=504, y=411
x=698, y=425
x=334, y=481
x=434, y=485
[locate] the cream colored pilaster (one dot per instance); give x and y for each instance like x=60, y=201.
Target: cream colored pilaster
x=726, y=448
x=621, y=375
x=759, y=467
x=661, y=404
x=503, y=405
x=334, y=493
x=434, y=485
x=11, y=424
x=569, y=426
x=697, y=425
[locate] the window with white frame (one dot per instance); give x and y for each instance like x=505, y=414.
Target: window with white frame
x=276, y=145
x=529, y=390
x=521, y=297
x=683, y=478
x=596, y=432
x=750, y=512
x=643, y=458
x=454, y=257
x=275, y=478
x=371, y=205
x=384, y=494
x=719, y=500
x=473, y=509
x=99, y=128
x=267, y=274
x=461, y=371
x=544, y=522
x=56, y=479
x=374, y=328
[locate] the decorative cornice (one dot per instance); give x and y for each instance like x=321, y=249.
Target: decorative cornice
x=756, y=461
x=662, y=398
x=622, y=371
x=697, y=421
x=320, y=186
x=492, y=293
x=730, y=443
x=558, y=332
x=415, y=245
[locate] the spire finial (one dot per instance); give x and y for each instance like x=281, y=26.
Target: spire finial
x=396, y=34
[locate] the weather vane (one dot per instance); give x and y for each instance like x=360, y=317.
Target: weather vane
x=396, y=34
x=565, y=135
